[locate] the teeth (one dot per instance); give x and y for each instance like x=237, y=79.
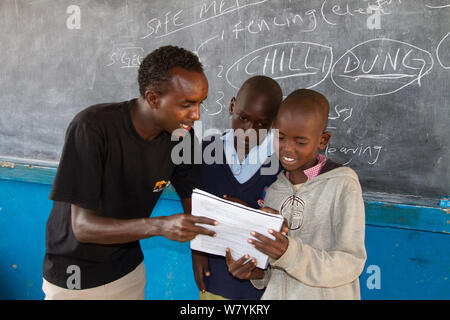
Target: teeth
x=288, y=159
x=185, y=126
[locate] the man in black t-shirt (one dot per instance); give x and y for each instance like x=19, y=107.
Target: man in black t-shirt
x=115, y=162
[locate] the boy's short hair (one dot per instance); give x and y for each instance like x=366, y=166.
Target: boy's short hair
x=262, y=84
x=154, y=71
x=308, y=99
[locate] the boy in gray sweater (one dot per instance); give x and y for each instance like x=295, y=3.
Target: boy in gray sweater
x=322, y=253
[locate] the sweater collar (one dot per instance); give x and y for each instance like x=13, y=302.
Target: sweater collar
x=313, y=171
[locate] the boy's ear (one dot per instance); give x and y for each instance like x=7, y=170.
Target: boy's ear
x=324, y=139
x=232, y=103
x=152, y=98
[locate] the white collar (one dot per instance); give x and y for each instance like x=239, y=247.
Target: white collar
x=255, y=158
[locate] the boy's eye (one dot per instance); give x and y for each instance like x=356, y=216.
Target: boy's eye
x=301, y=143
x=262, y=124
x=242, y=118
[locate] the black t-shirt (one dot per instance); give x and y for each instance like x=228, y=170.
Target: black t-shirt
x=106, y=166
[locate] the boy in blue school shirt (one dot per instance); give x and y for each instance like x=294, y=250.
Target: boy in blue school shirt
x=248, y=168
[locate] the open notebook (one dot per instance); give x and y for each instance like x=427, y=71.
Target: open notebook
x=236, y=221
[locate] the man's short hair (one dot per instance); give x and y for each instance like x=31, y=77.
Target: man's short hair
x=154, y=71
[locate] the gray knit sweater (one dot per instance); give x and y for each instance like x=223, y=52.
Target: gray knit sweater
x=326, y=253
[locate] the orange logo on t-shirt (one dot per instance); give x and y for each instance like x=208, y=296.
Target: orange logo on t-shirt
x=160, y=185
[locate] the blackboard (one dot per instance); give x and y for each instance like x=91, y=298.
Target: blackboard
x=384, y=66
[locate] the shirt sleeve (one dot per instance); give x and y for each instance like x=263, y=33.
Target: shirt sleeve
x=262, y=283
x=187, y=175
x=79, y=176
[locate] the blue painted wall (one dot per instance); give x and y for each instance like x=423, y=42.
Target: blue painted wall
x=24, y=209
x=412, y=263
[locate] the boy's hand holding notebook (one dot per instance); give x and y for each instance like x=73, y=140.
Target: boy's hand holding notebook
x=235, y=224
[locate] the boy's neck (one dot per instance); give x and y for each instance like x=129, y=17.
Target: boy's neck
x=241, y=152
x=298, y=176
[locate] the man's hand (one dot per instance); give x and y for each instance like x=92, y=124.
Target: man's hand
x=90, y=226
x=241, y=270
x=182, y=227
x=200, y=266
x=273, y=248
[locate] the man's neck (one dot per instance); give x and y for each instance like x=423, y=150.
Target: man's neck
x=143, y=120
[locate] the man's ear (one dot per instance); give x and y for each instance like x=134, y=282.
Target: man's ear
x=152, y=98
x=232, y=103
x=324, y=139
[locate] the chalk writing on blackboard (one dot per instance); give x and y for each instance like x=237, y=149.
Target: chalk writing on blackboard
x=309, y=63
x=330, y=10
x=126, y=57
x=443, y=52
x=380, y=67
x=203, y=43
x=304, y=22
x=442, y=6
x=367, y=153
x=173, y=22
x=219, y=102
x=339, y=112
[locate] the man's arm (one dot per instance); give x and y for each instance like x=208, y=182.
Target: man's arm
x=187, y=205
x=89, y=227
x=200, y=263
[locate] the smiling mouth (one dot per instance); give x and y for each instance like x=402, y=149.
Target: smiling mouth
x=185, y=126
x=288, y=160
